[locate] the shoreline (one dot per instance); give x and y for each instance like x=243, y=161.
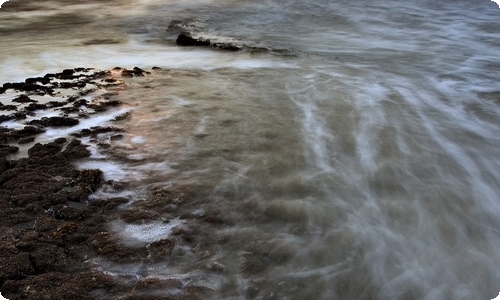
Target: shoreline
x=51, y=232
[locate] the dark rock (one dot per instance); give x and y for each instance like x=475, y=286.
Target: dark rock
x=35, y=106
x=39, y=150
x=29, y=131
x=26, y=140
x=139, y=216
x=50, y=258
x=52, y=104
x=4, y=164
x=227, y=46
x=108, y=204
x=110, y=80
x=121, y=117
x=70, y=110
x=8, y=107
x=4, y=118
x=7, y=149
x=117, y=137
x=76, y=150
x=81, y=102
x=70, y=213
x=94, y=131
x=59, y=286
x=68, y=72
x=42, y=80
x=251, y=265
x=28, y=87
x=20, y=115
x=55, y=122
x=15, y=265
x=216, y=267
x=158, y=250
x=185, y=39
x=90, y=179
x=112, y=103
x=198, y=292
x=150, y=284
x=107, y=246
x=136, y=71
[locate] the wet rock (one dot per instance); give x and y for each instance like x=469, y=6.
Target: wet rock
x=136, y=71
x=185, y=39
x=139, y=216
x=251, y=291
x=26, y=140
x=227, y=46
x=59, y=286
x=66, y=212
x=5, y=118
x=7, y=150
x=112, y=103
x=90, y=179
x=53, y=104
x=117, y=137
x=29, y=131
x=251, y=265
x=107, y=246
x=121, y=117
x=42, y=80
x=48, y=258
x=151, y=284
x=94, y=131
x=108, y=204
x=39, y=150
x=68, y=72
x=216, y=267
x=197, y=292
x=8, y=107
x=158, y=250
x=35, y=106
x=23, y=99
x=70, y=84
x=56, y=121
x=76, y=150
x=28, y=87
x=14, y=264
x=81, y=102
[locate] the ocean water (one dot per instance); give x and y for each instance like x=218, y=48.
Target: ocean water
x=363, y=164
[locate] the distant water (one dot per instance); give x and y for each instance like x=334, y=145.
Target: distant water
x=364, y=166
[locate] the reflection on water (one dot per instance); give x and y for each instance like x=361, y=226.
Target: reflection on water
x=365, y=167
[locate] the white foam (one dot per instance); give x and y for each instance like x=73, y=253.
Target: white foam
x=138, y=140
x=145, y=233
x=1, y=297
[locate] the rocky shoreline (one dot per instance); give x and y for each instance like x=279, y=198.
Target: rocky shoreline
x=50, y=231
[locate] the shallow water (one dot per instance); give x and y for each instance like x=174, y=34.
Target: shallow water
x=365, y=166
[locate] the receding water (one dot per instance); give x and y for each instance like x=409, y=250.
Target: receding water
x=364, y=166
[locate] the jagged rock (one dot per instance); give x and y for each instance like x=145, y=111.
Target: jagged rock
x=185, y=39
